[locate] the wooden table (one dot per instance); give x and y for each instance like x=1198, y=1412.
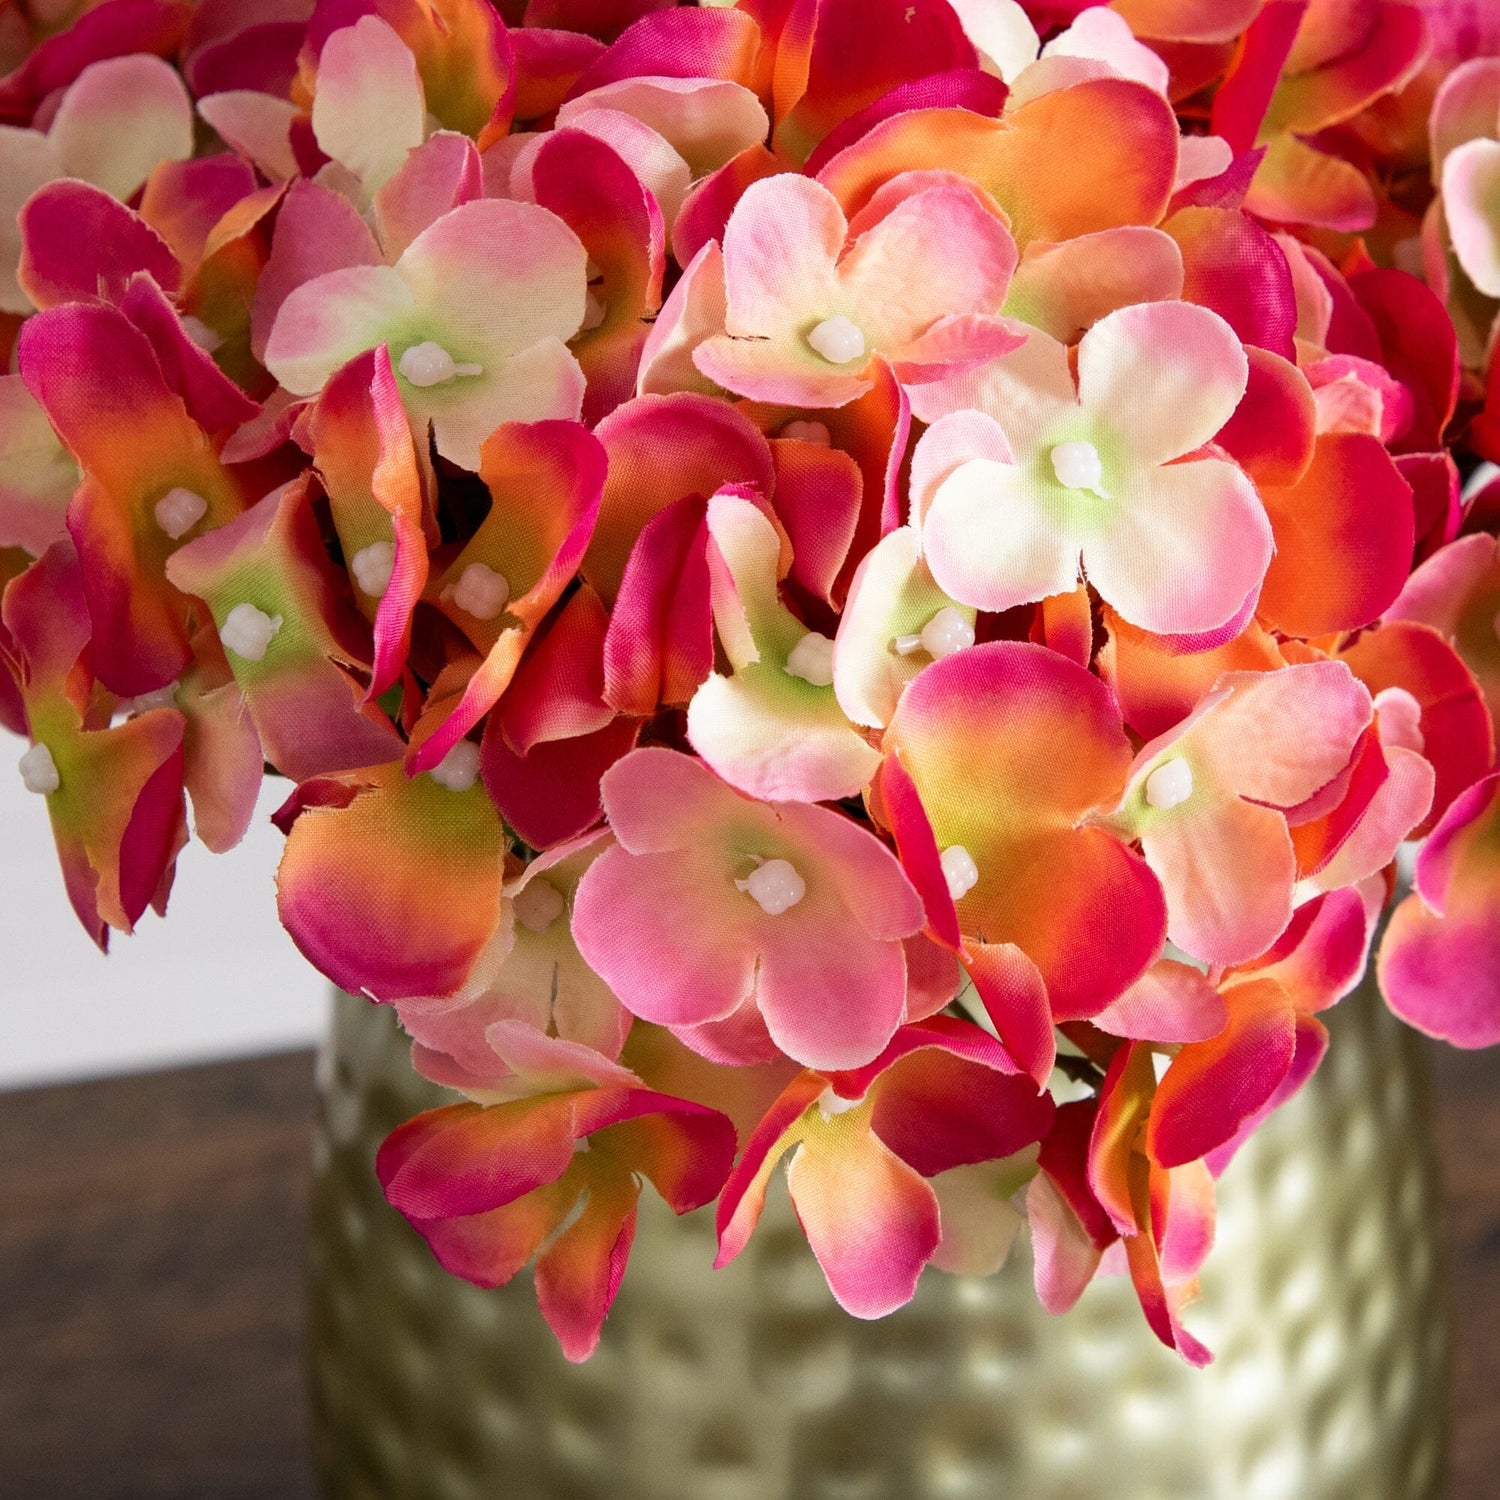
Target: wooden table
x=150, y=1283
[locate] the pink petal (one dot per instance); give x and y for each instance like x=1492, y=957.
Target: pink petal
x=872, y=1222
x=1167, y=374
x=1170, y=1002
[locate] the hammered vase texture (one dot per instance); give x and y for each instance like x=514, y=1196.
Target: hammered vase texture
x=1324, y=1301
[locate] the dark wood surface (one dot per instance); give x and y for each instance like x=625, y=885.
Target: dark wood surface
x=150, y=1283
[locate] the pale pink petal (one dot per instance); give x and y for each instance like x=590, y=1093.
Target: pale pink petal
x=121, y=117
x=1105, y=36
x=1064, y=1254
x=781, y=249
x=893, y=595
x=694, y=311
x=325, y=322
x=692, y=906
x=872, y=1222
x=439, y=175
x=778, y=738
x=1170, y=1002
x=1166, y=376
x=1471, y=204
x=1064, y=289
x=1187, y=544
x=1281, y=736
x=1228, y=875
x=37, y=473
x=980, y=1223
x=1402, y=802
x=28, y=161
x=995, y=538
x=1029, y=392
x=887, y=277
x=369, y=109
x=256, y=126
x=707, y=121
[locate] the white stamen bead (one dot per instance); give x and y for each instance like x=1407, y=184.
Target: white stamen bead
x=458, y=770
x=538, y=904
x=178, y=511
x=481, y=592
x=1078, y=466
x=959, y=870
x=594, y=313
x=774, y=886
x=1169, y=785
x=428, y=364
x=372, y=567
x=39, y=771
x=248, y=631
x=838, y=340
x=811, y=659
x=808, y=432
x=946, y=632
x=830, y=1105
x=1160, y=1062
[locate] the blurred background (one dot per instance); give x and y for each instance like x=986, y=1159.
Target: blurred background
x=219, y=979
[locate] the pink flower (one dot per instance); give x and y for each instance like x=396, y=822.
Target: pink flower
x=491, y=1188
x=1440, y=959
x=783, y=922
x=1210, y=799
x=476, y=312
x=807, y=316
x=942, y=1096
x=1025, y=472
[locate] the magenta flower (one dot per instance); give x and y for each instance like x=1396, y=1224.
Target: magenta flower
x=784, y=922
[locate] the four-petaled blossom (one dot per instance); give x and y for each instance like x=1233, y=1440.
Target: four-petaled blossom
x=1211, y=800
x=867, y=1144
x=1025, y=471
x=784, y=921
x=476, y=313
x=806, y=316
x=489, y=1187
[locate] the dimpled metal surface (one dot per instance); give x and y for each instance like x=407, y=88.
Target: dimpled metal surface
x=1324, y=1302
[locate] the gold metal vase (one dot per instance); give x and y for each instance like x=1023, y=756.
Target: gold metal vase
x=1324, y=1301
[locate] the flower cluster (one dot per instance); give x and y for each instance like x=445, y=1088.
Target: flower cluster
x=866, y=584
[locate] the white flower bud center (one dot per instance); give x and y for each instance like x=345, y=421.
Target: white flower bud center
x=831, y=1105
x=808, y=432
x=946, y=632
x=458, y=770
x=1078, y=466
x=811, y=659
x=178, y=511
x=428, y=363
x=838, y=340
x=959, y=870
x=248, y=631
x=1169, y=785
x=774, y=886
x=538, y=904
x=594, y=313
x=481, y=592
x=39, y=771
x=372, y=567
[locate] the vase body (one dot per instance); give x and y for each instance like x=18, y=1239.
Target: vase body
x=1324, y=1302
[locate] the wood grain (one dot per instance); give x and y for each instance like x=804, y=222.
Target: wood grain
x=151, y=1282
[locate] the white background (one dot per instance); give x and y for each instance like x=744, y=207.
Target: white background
x=219, y=977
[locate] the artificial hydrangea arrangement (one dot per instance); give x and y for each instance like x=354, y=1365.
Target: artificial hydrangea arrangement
x=866, y=584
